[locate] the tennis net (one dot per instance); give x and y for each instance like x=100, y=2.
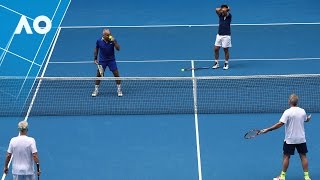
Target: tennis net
x=165, y=95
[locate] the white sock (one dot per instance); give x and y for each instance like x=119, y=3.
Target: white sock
x=216, y=61
x=119, y=86
x=226, y=62
x=96, y=87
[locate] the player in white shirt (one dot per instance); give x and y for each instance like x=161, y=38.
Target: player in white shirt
x=23, y=151
x=293, y=119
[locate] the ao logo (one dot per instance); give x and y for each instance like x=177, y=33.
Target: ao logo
x=23, y=23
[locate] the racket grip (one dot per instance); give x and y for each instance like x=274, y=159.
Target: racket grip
x=100, y=68
x=38, y=170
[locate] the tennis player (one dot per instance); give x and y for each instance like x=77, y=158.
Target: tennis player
x=105, y=48
x=23, y=151
x=223, y=38
x=294, y=119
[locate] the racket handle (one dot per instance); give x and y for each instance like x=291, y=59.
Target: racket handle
x=38, y=170
x=308, y=118
x=100, y=68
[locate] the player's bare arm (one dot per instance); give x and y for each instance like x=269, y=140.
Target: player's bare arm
x=36, y=160
x=218, y=11
x=95, y=55
x=116, y=45
x=274, y=127
x=6, y=163
x=223, y=10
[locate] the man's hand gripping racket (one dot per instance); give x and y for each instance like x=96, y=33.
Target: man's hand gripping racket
x=100, y=68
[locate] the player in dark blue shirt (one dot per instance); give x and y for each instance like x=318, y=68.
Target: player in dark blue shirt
x=223, y=38
x=105, y=47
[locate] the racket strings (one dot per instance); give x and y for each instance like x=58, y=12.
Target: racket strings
x=251, y=134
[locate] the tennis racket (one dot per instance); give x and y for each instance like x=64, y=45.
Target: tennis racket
x=252, y=134
x=38, y=170
x=100, y=68
x=196, y=68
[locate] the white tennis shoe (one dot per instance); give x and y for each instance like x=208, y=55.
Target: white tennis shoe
x=215, y=66
x=226, y=66
x=278, y=178
x=120, y=94
x=95, y=93
x=307, y=178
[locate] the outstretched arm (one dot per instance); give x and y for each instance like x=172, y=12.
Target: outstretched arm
x=274, y=127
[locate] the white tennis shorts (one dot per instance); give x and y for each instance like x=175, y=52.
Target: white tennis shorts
x=24, y=177
x=223, y=41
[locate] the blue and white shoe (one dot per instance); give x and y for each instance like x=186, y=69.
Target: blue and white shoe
x=216, y=65
x=226, y=66
x=95, y=93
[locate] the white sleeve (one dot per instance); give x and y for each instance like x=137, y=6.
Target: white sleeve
x=305, y=117
x=33, y=146
x=284, y=117
x=10, y=150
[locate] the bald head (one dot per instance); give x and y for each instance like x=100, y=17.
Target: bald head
x=293, y=100
x=106, y=31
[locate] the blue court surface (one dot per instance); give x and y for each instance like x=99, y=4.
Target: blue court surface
x=135, y=139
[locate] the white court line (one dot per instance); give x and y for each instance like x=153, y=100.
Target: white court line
x=16, y=12
x=54, y=14
x=57, y=34
x=186, y=60
x=32, y=65
x=3, y=55
x=18, y=56
x=196, y=121
x=190, y=25
x=36, y=55
x=8, y=93
x=42, y=75
x=52, y=44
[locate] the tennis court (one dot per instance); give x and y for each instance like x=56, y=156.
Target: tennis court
x=171, y=124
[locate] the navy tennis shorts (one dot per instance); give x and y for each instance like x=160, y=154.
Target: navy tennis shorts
x=112, y=65
x=288, y=149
